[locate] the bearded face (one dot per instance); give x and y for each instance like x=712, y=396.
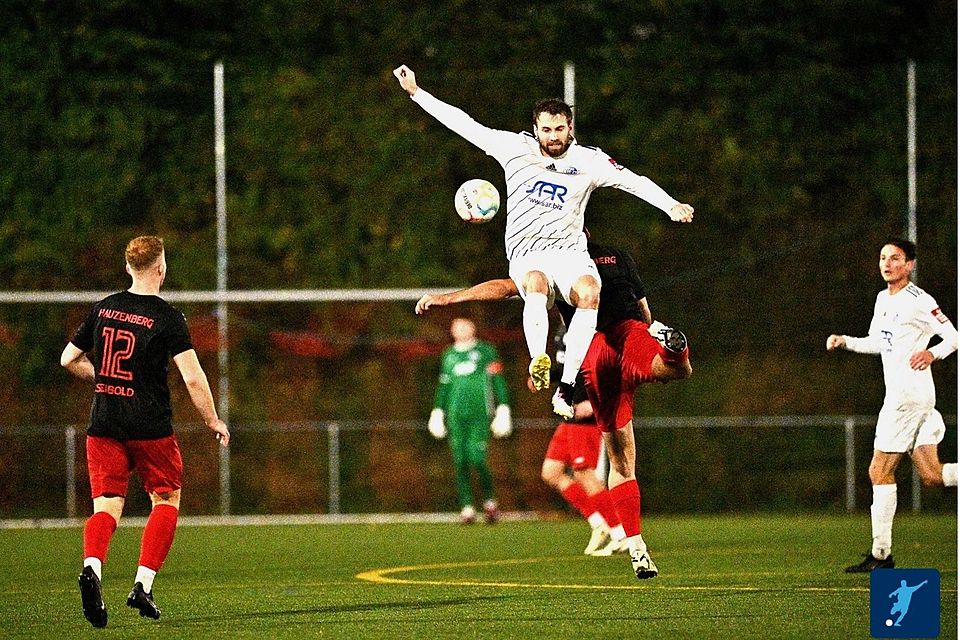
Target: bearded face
x=554, y=133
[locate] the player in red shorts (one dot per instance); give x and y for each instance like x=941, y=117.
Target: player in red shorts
x=625, y=352
x=576, y=445
x=123, y=348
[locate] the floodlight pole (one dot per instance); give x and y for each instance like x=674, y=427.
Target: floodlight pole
x=223, y=351
x=912, y=205
x=912, y=153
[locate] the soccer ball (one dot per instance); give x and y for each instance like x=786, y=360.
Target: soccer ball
x=477, y=201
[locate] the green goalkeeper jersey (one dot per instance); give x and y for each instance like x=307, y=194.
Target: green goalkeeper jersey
x=471, y=381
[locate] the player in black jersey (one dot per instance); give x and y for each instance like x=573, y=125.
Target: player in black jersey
x=625, y=352
x=123, y=347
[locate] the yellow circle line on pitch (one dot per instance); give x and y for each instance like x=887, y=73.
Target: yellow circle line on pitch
x=384, y=576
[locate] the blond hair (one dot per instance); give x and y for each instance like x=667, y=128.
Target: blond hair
x=143, y=251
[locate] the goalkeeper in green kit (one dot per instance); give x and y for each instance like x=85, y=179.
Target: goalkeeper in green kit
x=471, y=390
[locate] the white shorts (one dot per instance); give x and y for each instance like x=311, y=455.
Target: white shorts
x=562, y=268
x=902, y=429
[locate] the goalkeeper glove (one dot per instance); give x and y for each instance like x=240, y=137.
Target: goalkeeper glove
x=501, y=425
x=435, y=425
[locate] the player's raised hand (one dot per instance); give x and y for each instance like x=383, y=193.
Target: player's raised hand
x=407, y=78
x=681, y=212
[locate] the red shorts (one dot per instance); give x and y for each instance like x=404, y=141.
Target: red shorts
x=110, y=463
x=620, y=359
x=576, y=445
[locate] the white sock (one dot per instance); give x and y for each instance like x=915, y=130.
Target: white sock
x=95, y=564
x=617, y=533
x=577, y=340
x=145, y=577
x=950, y=474
x=881, y=518
x=636, y=543
x=596, y=520
x=536, y=324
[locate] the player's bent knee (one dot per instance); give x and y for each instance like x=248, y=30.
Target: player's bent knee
x=881, y=476
x=171, y=498
x=536, y=282
x=552, y=475
x=586, y=294
x=930, y=477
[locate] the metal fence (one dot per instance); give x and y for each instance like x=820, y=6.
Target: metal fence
x=274, y=449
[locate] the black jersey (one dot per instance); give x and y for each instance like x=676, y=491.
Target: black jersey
x=621, y=288
x=130, y=339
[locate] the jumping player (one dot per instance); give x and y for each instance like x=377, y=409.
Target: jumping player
x=549, y=179
x=123, y=348
x=624, y=353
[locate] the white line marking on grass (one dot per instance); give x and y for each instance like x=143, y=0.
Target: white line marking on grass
x=386, y=576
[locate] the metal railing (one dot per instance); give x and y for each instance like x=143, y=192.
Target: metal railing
x=334, y=428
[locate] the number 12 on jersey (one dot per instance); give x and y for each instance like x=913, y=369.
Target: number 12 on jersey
x=118, y=346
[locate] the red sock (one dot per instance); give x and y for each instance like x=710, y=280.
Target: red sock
x=96, y=535
x=604, y=504
x=575, y=495
x=158, y=536
x=626, y=499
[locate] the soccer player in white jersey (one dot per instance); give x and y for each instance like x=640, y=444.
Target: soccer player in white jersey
x=905, y=318
x=549, y=179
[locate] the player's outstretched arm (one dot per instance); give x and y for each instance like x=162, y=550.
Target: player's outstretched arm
x=407, y=78
x=499, y=289
x=199, y=389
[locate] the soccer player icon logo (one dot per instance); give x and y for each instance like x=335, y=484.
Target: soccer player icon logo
x=895, y=593
x=903, y=594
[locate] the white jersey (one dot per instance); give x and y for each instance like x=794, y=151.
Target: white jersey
x=546, y=196
x=902, y=325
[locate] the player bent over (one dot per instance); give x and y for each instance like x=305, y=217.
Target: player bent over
x=123, y=348
x=624, y=353
x=549, y=178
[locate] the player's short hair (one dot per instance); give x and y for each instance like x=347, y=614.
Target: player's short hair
x=143, y=252
x=553, y=106
x=909, y=249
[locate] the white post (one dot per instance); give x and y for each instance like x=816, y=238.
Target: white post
x=223, y=352
x=70, y=440
x=569, y=82
x=333, y=468
x=912, y=152
x=912, y=204
x=849, y=427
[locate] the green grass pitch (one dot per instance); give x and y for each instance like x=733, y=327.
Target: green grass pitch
x=731, y=576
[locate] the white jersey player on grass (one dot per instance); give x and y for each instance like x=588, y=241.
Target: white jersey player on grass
x=905, y=318
x=549, y=179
